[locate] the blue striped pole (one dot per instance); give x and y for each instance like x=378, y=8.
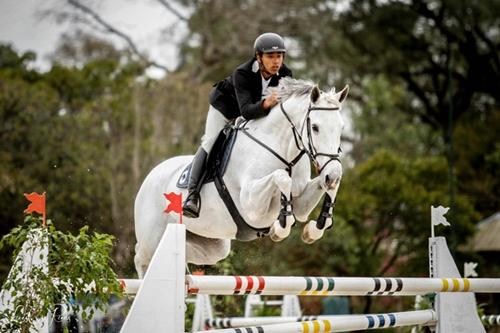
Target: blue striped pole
x=230, y=322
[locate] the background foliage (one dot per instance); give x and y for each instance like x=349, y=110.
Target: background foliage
x=41, y=279
x=423, y=108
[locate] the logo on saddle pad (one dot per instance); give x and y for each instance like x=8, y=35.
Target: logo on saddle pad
x=183, y=180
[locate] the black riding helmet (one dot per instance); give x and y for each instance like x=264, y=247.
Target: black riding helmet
x=269, y=42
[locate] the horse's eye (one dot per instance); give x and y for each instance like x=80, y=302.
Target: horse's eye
x=315, y=128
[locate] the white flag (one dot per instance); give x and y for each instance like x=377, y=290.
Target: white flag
x=470, y=269
x=437, y=215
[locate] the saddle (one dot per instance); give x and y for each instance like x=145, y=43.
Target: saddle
x=217, y=162
x=217, y=159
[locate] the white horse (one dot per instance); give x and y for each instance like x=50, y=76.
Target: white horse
x=268, y=167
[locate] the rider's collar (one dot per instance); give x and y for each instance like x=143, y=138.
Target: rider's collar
x=255, y=66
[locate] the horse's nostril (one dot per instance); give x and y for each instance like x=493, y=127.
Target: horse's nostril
x=328, y=181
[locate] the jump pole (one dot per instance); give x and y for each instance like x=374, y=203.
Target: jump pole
x=335, y=286
x=491, y=319
x=343, y=323
x=326, y=286
x=235, y=322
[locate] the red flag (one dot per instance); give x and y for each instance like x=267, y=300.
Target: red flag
x=175, y=203
x=37, y=204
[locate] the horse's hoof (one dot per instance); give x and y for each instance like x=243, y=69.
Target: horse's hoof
x=306, y=238
x=277, y=233
x=275, y=238
x=311, y=233
x=308, y=241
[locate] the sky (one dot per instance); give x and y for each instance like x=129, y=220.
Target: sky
x=22, y=26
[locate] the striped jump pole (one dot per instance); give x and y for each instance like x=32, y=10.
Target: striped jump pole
x=130, y=286
x=344, y=323
x=328, y=286
x=491, y=319
x=231, y=322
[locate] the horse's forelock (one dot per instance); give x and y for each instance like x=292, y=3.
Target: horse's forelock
x=289, y=87
x=330, y=96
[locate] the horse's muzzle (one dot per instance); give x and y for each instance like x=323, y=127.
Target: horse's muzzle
x=331, y=180
x=328, y=181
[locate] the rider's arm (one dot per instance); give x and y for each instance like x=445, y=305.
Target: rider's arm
x=242, y=82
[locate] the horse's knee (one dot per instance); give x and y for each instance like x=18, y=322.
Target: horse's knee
x=139, y=266
x=282, y=180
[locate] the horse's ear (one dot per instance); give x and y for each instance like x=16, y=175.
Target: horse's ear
x=341, y=95
x=315, y=94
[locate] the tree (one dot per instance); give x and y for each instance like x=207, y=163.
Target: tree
x=77, y=12
x=87, y=132
x=26, y=102
x=446, y=52
x=379, y=121
x=41, y=278
x=57, y=135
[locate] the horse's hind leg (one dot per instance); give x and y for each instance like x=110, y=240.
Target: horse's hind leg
x=141, y=261
x=199, y=251
x=206, y=251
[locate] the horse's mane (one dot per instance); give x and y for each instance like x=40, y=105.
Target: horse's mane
x=289, y=87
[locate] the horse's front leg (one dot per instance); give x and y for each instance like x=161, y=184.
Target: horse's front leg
x=305, y=201
x=308, y=200
x=257, y=197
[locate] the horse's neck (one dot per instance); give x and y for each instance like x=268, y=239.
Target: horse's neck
x=277, y=126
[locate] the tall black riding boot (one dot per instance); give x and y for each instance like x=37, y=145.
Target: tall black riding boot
x=191, y=206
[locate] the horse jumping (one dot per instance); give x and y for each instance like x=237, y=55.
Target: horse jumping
x=268, y=178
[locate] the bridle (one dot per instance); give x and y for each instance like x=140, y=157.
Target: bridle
x=309, y=150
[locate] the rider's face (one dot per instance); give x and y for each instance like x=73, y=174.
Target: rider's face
x=271, y=62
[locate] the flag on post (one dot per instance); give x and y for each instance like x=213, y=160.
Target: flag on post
x=437, y=217
x=470, y=269
x=437, y=214
x=174, y=204
x=37, y=204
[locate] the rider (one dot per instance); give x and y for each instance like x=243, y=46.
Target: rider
x=240, y=94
